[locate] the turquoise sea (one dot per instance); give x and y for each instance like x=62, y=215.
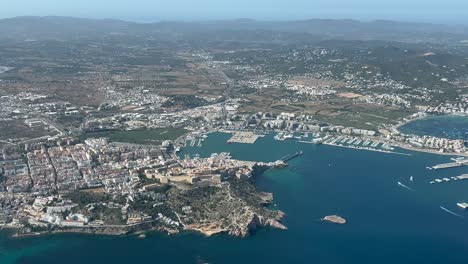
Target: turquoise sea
x=386, y=222
x=448, y=126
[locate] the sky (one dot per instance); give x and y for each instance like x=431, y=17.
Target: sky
x=438, y=11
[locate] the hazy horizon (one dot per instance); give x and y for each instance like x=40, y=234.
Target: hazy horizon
x=432, y=11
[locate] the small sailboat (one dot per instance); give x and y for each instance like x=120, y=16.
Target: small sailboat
x=411, y=178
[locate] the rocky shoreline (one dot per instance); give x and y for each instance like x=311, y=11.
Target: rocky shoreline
x=257, y=222
x=237, y=208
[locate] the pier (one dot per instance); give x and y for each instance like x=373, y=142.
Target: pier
x=290, y=157
x=457, y=163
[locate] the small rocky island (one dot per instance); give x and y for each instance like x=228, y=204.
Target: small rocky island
x=334, y=219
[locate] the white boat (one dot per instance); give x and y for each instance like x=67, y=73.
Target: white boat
x=279, y=136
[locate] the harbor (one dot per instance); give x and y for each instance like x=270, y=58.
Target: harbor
x=194, y=140
x=313, y=169
x=351, y=142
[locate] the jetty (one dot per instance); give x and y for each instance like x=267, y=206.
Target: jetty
x=292, y=156
x=457, y=163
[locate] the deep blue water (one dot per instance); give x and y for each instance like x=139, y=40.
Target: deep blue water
x=448, y=126
x=386, y=223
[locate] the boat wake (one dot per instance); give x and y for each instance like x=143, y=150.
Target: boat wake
x=404, y=186
x=450, y=212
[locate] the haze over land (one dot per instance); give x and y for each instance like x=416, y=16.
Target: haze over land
x=450, y=11
x=314, y=29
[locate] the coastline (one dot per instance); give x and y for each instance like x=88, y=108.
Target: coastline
x=405, y=121
x=293, y=191
x=116, y=231
x=209, y=229
x=391, y=142
x=422, y=117
x=365, y=149
x=431, y=151
x=206, y=230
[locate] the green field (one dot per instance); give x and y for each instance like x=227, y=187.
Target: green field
x=150, y=136
x=372, y=118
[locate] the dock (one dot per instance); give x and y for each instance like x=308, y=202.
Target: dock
x=243, y=137
x=457, y=163
x=447, y=165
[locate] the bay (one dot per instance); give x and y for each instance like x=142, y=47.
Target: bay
x=446, y=126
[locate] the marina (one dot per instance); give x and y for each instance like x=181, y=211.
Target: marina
x=193, y=141
x=358, y=143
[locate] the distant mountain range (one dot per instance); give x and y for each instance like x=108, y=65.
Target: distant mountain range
x=38, y=28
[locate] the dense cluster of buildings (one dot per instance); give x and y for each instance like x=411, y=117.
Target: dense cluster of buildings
x=291, y=123
x=135, y=99
x=386, y=99
x=207, y=171
x=210, y=115
x=26, y=105
x=325, y=71
x=439, y=144
x=64, y=167
x=42, y=173
x=448, y=108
